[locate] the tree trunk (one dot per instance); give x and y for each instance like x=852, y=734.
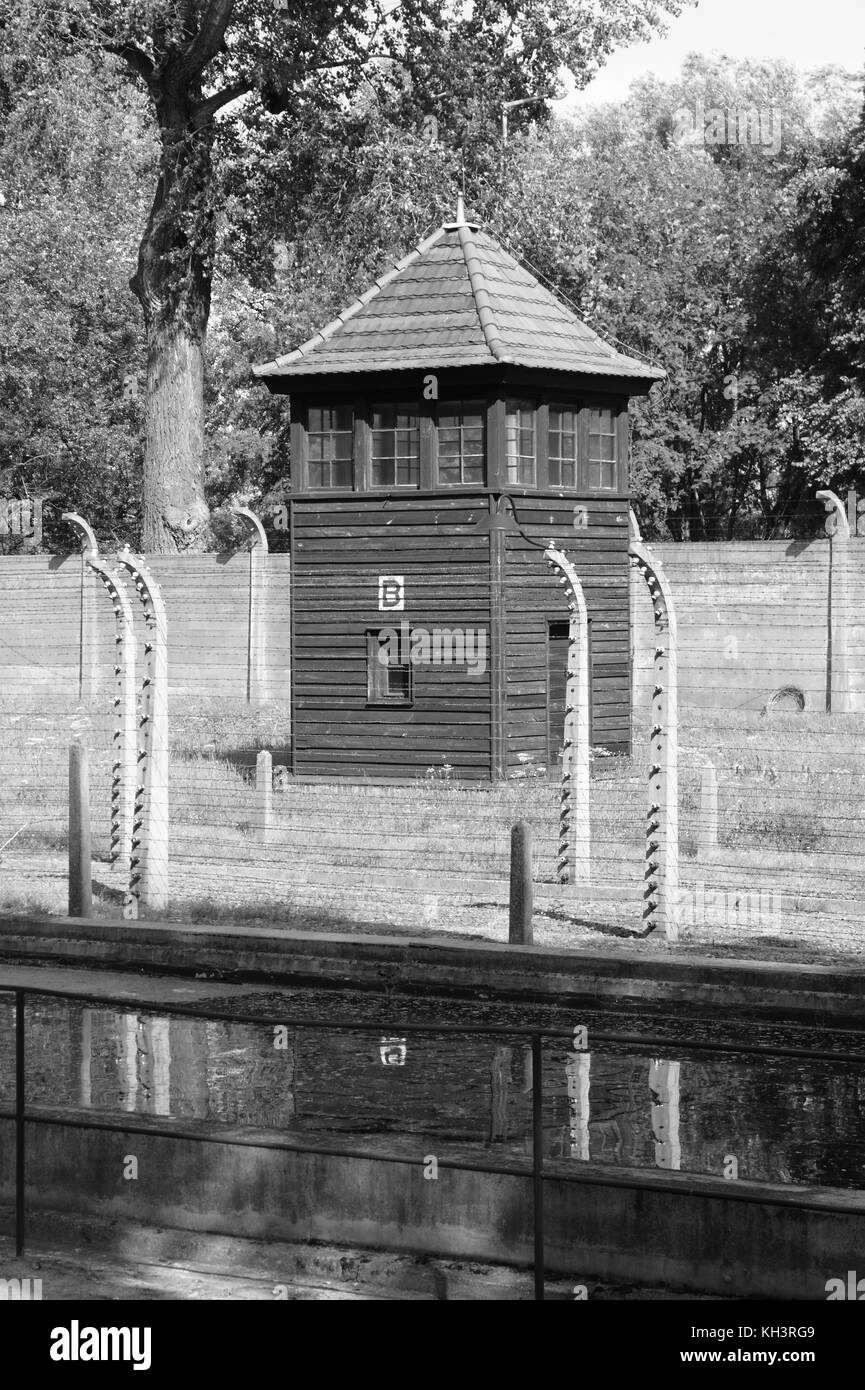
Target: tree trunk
x=172, y=283
x=176, y=515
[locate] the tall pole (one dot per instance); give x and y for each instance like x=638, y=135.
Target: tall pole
x=80, y=875
x=573, y=859
x=661, y=892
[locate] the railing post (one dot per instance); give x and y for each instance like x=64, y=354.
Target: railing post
x=520, y=924
x=20, y=1187
x=80, y=893
x=538, y=1161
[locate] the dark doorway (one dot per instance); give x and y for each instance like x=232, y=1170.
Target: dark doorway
x=557, y=675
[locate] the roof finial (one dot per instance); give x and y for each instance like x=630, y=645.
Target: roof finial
x=461, y=210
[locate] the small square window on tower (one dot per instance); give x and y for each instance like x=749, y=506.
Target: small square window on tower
x=388, y=666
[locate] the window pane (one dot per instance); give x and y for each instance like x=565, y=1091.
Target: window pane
x=399, y=681
x=341, y=474
x=520, y=442
x=395, y=446
x=460, y=441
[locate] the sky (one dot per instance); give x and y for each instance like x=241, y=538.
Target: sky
x=808, y=34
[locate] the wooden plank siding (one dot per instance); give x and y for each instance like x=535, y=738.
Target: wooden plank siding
x=534, y=598
x=339, y=552
x=460, y=572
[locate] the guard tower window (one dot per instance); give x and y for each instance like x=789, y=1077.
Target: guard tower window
x=602, y=462
x=520, y=440
x=562, y=442
x=461, y=443
x=395, y=446
x=330, y=436
x=388, y=667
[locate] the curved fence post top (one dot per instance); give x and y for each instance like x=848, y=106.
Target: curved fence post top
x=659, y=587
x=259, y=537
x=836, y=523
x=148, y=590
x=557, y=557
x=89, y=543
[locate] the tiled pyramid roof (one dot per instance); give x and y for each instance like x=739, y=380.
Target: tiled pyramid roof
x=457, y=300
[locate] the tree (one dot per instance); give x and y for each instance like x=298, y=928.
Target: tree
x=197, y=59
x=73, y=161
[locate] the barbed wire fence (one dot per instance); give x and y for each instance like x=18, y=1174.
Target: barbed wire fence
x=771, y=765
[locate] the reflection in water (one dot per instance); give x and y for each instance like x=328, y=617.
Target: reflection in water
x=578, y=1066
x=664, y=1088
x=788, y=1121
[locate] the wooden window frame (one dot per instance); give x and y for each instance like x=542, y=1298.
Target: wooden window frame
x=461, y=401
x=620, y=434
x=537, y=408
x=575, y=405
x=300, y=433
x=405, y=405
x=377, y=696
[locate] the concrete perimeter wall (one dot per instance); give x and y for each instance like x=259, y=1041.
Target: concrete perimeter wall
x=753, y=617
x=228, y=626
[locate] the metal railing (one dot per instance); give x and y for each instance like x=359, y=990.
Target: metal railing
x=648, y=1045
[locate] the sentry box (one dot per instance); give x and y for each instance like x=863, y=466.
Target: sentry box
x=445, y=428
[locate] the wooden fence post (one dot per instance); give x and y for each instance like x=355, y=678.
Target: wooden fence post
x=263, y=795
x=520, y=923
x=80, y=892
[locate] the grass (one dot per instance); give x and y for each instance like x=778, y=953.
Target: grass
x=791, y=785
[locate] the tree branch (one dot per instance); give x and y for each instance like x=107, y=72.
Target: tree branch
x=205, y=110
x=134, y=57
x=209, y=39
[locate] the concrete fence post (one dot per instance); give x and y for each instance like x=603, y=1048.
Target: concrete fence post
x=573, y=861
x=661, y=876
x=263, y=795
x=256, y=647
x=520, y=922
x=80, y=894
x=837, y=528
x=707, y=833
x=150, y=851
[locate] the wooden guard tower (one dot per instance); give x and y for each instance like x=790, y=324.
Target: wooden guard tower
x=444, y=429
